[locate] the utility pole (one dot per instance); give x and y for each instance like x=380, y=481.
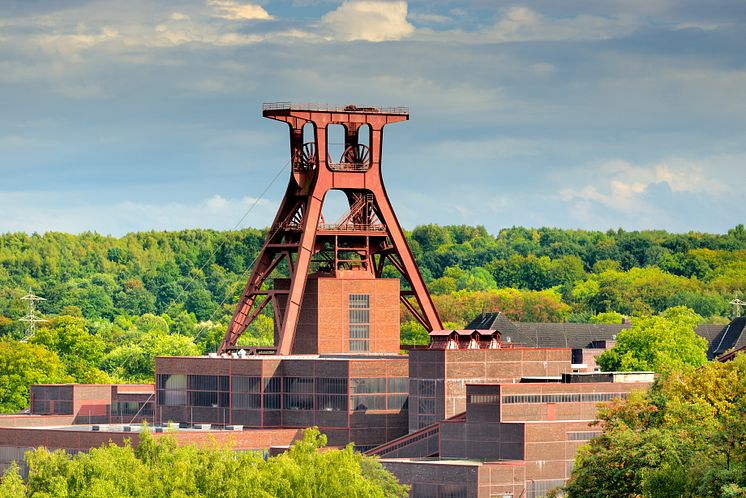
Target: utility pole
x=31, y=318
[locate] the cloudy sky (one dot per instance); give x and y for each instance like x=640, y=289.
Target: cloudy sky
x=118, y=116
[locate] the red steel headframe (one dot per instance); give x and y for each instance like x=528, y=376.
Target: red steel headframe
x=299, y=230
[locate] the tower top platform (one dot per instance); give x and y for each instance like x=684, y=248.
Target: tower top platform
x=272, y=107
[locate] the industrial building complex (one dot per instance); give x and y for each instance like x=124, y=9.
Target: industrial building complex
x=496, y=409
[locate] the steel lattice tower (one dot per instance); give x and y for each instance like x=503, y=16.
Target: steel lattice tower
x=364, y=239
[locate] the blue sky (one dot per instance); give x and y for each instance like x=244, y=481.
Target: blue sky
x=122, y=116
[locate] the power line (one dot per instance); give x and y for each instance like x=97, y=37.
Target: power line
x=222, y=244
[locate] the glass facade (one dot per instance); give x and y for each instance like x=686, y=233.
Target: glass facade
x=131, y=409
x=379, y=393
x=171, y=390
x=247, y=397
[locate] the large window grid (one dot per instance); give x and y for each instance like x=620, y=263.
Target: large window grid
x=172, y=389
x=131, y=408
x=331, y=394
x=425, y=402
x=208, y=390
x=298, y=393
x=359, y=322
x=379, y=393
x=273, y=393
x=51, y=406
x=246, y=393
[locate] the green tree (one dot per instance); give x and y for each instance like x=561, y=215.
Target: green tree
x=683, y=438
x=160, y=468
x=24, y=364
x=11, y=484
x=658, y=343
x=135, y=360
x=79, y=350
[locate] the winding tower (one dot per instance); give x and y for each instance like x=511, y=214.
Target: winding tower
x=343, y=254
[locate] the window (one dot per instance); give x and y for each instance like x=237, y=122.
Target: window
x=483, y=399
x=582, y=436
x=298, y=393
x=246, y=393
x=331, y=394
x=131, y=408
x=272, y=396
x=208, y=390
x=427, y=388
x=172, y=390
x=540, y=488
x=359, y=315
x=563, y=398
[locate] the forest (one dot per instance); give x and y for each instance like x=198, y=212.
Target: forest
x=114, y=303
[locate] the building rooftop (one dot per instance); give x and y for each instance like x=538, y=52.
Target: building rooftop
x=583, y=335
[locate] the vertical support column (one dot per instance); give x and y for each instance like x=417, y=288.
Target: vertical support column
x=298, y=277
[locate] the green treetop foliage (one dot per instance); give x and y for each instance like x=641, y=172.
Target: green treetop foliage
x=160, y=468
x=24, y=364
x=658, y=343
x=633, y=273
x=686, y=437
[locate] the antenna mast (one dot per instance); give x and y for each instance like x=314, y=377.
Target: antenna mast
x=31, y=318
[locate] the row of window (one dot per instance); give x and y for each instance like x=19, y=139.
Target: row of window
x=562, y=398
x=582, y=436
x=379, y=402
x=51, y=407
x=483, y=399
x=131, y=408
x=379, y=385
x=297, y=393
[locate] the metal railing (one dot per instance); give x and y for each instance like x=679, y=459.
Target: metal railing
x=310, y=106
x=352, y=227
x=349, y=166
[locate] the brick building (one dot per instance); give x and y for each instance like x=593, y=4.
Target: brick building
x=516, y=439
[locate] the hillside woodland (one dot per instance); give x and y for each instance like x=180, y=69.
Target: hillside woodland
x=114, y=303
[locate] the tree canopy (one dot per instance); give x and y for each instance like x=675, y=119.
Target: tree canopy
x=159, y=468
x=658, y=343
x=686, y=438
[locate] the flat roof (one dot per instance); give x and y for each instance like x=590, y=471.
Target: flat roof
x=119, y=428
x=336, y=357
x=470, y=462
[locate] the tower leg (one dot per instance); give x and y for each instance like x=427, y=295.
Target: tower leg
x=299, y=275
x=409, y=267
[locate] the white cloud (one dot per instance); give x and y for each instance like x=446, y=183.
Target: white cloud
x=525, y=24
x=368, y=20
x=623, y=187
x=236, y=11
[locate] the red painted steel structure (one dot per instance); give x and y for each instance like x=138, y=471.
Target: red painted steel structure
x=362, y=241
